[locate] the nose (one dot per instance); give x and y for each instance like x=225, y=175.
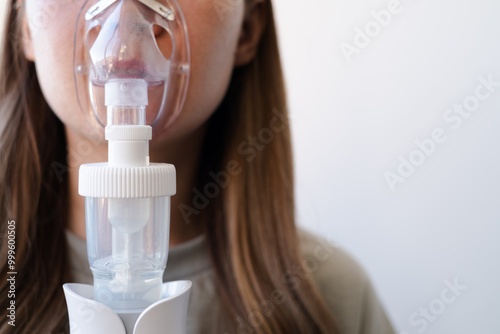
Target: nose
x=130, y=22
x=124, y=42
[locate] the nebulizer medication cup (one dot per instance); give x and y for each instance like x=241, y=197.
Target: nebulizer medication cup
x=131, y=62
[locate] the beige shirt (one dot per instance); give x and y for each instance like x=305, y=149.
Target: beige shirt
x=343, y=284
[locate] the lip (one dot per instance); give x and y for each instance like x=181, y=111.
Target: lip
x=132, y=66
x=121, y=69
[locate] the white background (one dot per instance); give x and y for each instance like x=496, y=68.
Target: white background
x=352, y=121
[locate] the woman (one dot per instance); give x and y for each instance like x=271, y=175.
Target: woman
x=252, y=271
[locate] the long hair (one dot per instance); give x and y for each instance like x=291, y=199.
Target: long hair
x=31, y=197
x=250, y=227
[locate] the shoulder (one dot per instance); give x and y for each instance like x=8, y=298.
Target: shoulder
x=344, y=286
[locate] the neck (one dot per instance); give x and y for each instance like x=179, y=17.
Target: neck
x=183, y=153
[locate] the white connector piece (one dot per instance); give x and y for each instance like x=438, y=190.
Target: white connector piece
x=128, y=137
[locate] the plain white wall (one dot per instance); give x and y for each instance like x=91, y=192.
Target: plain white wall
x=353, y=120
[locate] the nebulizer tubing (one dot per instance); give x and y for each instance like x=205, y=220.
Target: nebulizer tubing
x=124, y=78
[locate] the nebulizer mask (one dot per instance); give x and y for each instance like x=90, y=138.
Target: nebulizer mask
x=131, y=63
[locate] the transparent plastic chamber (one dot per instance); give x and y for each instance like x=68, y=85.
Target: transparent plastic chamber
x=131, y=74
x=127, y=244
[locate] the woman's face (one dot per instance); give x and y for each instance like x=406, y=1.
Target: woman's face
x=214, y=28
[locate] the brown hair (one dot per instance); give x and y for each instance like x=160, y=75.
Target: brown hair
x=31, y=139
x=251, y=227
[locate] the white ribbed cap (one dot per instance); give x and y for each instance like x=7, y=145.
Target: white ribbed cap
x=104, y=181
x=126, y=92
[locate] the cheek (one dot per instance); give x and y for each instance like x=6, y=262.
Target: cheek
x=52, y=25
x=213, y=41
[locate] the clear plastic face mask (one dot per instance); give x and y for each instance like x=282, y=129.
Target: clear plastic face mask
x=132, y=39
